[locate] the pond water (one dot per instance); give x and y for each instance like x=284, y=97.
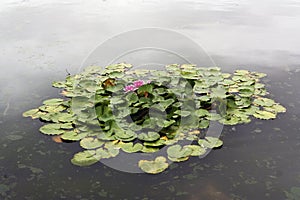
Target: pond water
x=42, y=41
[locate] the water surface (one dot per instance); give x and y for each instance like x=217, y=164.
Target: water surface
x=43, y=41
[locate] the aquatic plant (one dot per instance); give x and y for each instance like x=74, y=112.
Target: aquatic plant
x=293, y=194
x=117, y=108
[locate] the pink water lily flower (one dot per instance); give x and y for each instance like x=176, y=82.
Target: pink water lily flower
x=129, y=88
x=135, y=85
x=138, y=83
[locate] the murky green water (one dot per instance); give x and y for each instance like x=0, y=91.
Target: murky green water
x=39, y=41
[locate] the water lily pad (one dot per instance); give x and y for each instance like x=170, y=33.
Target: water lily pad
x=150, y=136
x=210, y=142
x=293, y=194
x=131, y=148
x=196, y=150
x=110, y=151
x=73, y=135
x=91, y=143
x=182, y=113
x=145, y=88
x=276, y=108
x=157, y=143
x=231, y=120
x=30, y=113
x=65, y=117
x=52, y=102
x=165, y=104
x=178, y=153
x=85, y=158
x=203, y=124
x=132, y=98
x=148, y=149
x=52, y=129
x=154, y=166
x=201, y=113
x=262, y=114
x=218, y=92
x=264, y=102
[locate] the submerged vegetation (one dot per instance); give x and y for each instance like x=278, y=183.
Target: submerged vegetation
x=145, y=111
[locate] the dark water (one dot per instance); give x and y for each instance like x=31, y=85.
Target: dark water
x=41, y=40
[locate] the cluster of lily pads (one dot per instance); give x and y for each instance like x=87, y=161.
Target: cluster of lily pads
x=143, y=111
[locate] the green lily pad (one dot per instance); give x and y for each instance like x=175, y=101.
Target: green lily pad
x=91, y=143
x=148, y=149
x=276, y=108
x=131, y=148
x=196, y=150
x=52, y=102
x=157, y=143
x=218, y=92
x=165, y=104
x=182, y=113
x=73, y=135
x=65, y=117
x=149, y=137
x=201, y=113
x=154, y=166
x=145, y=88
x=262, y=114
x=85, y=158
x=132, y=98
x=210, y=142
x=204, y=123
x=52, y=129
x=30, y=113
x=178, y=153
x=109, y=152
x=264, y=102
x=293, y=194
